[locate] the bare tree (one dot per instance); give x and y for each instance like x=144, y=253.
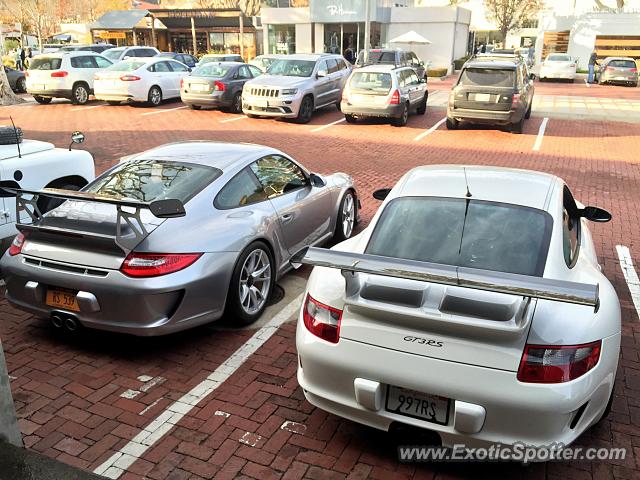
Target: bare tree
x=511, y=14
x=7, y=97
x=602, y=6
x=39, y=15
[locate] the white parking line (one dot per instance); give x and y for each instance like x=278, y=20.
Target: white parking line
x=233, y=119
x=630, y=275
x=165, y=110
x=120, y=461
x=430, y=131
x=88, y=108
x=543, y=127
x=327, y=125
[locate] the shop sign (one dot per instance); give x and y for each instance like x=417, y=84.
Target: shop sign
x=336, y=11
x=112, y=35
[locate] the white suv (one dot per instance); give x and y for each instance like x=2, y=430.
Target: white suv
x=122, y=53
x=64, y=75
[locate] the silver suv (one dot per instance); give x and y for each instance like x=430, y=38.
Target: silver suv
x=296, y=85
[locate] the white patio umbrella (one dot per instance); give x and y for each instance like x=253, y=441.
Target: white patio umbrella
x=412, y=37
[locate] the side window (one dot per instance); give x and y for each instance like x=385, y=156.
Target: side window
x=323, y=66
x=162, y=67
x=146, y=52
x=413, y=78
x=570, y=229
x=255, y=71
x=333, y=65
x=102, y=62
x=82, y=62
x=278, y=175
x=243, y=189
x=178, y=67
x=243, y=73
x=403, y=78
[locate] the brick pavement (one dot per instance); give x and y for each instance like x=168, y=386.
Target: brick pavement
x=68, y=391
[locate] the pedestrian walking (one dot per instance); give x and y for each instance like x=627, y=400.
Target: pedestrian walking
x=593, y=61
x=18, y=58
x=23, y=56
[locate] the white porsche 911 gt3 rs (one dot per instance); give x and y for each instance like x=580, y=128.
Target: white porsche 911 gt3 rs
x=473, y=305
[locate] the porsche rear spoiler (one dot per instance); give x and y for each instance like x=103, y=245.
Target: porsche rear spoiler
x=168, y=208
x=478, y=279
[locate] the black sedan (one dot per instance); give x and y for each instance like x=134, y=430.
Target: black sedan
x=189, y=60
x=17, y=82
x=217, y=84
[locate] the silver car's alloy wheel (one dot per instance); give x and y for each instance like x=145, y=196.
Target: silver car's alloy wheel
x=155, y=96
x=348, y=215
x=81, y=95
x=255, y=281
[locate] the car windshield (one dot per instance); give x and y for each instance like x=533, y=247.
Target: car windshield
x=126, y=66
x=262, y=62
x=217, y=70
x=370, y=82
x=166, y=54
x=292, y=68
x=488, y=77
x=113, y=53
x=45, y=63
x=559, y=58
x=150, y=180
x=622, y=64
x=465, y=233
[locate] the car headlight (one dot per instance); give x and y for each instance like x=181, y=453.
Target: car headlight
x=288, y=91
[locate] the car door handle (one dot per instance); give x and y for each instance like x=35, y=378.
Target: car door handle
x=287, y=217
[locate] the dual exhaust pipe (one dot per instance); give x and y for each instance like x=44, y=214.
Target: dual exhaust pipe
x=66, y=322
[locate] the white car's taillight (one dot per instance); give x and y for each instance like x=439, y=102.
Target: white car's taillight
x=557, y=364
x=322, y=320
x=515, y=100
x=156, y=264
x=17, y=244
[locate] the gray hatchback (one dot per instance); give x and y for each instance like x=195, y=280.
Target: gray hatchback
x=618, y=70
x=384, y=91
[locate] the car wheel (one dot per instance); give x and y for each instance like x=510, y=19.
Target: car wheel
x=306, y=110
x=42, y=100
x=251, y=283
x=236, y=103
x=194, y=107
x=422, y=108
x=46, y=204
x=338, y=106
x=634, y=84
x=452, y=124
x=346, y=217
x=21, y=85
x=155, y=96
x=350, y=118
x=528, y=114
x=401, y=121
x=518, y=127
x=607, y=409
x=79, y=94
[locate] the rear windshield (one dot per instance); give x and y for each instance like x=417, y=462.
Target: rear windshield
x=495, y=236
x=559, y=58
x=126, y=66
x=45, y=63
x=487, y=77
x=622, y=64
x=113, y=53
x=149, y=180
x=371, y=82
x=388, y=58
x=212, y=70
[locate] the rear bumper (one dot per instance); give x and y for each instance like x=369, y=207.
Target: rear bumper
x=60, y=93
x=557, y=74
x=619, y=79
x=485, y=116
x=205, y=100
x=387, y=111
x=511, y=411
x=115, y=302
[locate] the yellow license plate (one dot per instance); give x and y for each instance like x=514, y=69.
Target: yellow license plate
x=64, y=299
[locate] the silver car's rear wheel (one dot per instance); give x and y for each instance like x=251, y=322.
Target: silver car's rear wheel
x=346, y=217
x=251, y=283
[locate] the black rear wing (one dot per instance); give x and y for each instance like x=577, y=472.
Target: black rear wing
x=128, y=213
x=478, y=279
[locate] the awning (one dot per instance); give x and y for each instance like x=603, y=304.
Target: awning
x=119, y=20
x=203, y=22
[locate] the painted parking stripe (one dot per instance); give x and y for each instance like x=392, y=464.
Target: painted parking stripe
x=235, y=119
x=327, y=125
x=430, y=131
x=165, y=110
x=630, y=275
x=120, y=461
x=88, y=108
x=541, y=130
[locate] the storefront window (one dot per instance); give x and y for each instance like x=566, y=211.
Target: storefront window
x=229, y=42
x=282, y=39
x=285, y=3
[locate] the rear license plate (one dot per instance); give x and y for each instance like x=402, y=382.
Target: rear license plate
x=261, y=103
x=199, y=87
x=621, y=78
x=431, y=408
x=61, y=298
x=483, y=97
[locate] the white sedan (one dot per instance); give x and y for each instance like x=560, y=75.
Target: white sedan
x=473, y=305
x=558, y=66
x=150, y=80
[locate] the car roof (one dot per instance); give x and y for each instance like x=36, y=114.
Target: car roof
x=608, y=59
x=496, y=184
x=310, y=56
x=381, y=67
x=222, y=155
x=494, y=61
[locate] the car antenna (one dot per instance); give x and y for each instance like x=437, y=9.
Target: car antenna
x=464, y=169
x=15, y=131
x=466, y=210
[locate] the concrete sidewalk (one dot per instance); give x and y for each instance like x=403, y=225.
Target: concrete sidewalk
x=22, y=464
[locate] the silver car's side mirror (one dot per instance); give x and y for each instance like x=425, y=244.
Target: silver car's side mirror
x=76, y=137
x=321, y=73
x=316, y=180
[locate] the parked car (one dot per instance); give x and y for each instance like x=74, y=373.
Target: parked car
x=116, y=54
x=97, y=47
x=263, y=62
x=558, y=66
x=622, y=70
x=17, y=80
x=473, y=306
x=393, y=56
x=492, y=90
x=220, y=57
x=384, y=91
x=295, y=86
x=149, y=80
x=226, y=217
x=189, y=60
x=35, y=166
x=64, y=75
x=217, y=85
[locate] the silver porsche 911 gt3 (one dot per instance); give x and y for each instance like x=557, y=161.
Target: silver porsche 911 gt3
x=172, y=237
